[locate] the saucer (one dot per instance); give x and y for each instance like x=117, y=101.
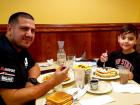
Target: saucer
x=103, y=87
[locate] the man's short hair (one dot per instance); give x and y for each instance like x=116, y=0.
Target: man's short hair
x=14, y=17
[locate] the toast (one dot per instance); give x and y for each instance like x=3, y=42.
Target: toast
x=59, y=98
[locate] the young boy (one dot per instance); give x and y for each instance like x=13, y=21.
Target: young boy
x=127, y=57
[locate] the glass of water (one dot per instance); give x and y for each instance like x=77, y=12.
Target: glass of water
x=70, y=59
x=79, y=75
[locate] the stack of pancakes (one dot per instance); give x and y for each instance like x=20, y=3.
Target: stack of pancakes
x=106, y=73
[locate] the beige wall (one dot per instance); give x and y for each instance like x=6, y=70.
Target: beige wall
x=74, y=11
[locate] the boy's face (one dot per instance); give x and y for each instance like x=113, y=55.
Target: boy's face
x=127, y=41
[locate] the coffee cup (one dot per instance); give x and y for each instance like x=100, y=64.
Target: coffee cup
x=94, y=84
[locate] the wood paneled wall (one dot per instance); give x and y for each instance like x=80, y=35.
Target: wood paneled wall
x=90, y=38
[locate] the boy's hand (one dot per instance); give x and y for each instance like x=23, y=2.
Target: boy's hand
x=104, y=57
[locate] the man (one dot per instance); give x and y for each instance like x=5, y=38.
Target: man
x=18, y=71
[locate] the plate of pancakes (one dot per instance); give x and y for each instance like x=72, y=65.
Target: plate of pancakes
x=107, y=73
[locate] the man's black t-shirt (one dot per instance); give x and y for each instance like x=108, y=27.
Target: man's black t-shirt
x=14, y=66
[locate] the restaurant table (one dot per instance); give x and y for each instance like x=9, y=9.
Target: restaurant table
x=119, y=97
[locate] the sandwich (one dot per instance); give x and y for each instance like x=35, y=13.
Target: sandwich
x=59, y=98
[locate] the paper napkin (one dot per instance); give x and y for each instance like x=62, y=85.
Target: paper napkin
x=79, y=94
x=129, y=87
x=99, y=100
x=43, y=64
x=50, y=61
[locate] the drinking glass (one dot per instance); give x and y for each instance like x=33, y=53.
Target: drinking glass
x=123, y=72
x=87, y=76
x=70, y=59
x=79, y=75
x=123, y=76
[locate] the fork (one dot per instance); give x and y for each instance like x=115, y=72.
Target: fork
x=105, y=61
x=75, y=100
x=104, y=65
x=75, y=93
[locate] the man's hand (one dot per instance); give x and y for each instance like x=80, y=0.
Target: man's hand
x=60, y=74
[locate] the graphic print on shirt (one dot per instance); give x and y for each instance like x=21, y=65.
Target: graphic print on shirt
x=7, y=74
x=26, y=62
x=124, y=63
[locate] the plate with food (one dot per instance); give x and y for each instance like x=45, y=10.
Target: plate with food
x=106, y=73
x=47, y=76
x=82, y=66
x=103, y=87
x=44, y=77
x=59, y=98
x=55, y=98
x=69, y=79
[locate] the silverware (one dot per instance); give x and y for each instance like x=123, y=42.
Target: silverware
x=104, y=66
x=76, y=92
x=78, y=97
x=75, y=99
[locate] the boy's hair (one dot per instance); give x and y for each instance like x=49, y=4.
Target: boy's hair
x=129, y=28
x=14, y=17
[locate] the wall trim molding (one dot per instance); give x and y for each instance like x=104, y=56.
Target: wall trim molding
x=74, y=27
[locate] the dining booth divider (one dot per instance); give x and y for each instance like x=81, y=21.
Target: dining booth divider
x=93, y=39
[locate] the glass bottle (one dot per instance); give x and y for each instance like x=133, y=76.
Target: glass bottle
x=61, y=55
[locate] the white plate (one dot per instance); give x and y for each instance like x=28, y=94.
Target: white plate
x=84, y=63
x=41, y=101
x=40, y=79
x=103, y=87
x=71, y=75
x=106, y=78
x=109, y=78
